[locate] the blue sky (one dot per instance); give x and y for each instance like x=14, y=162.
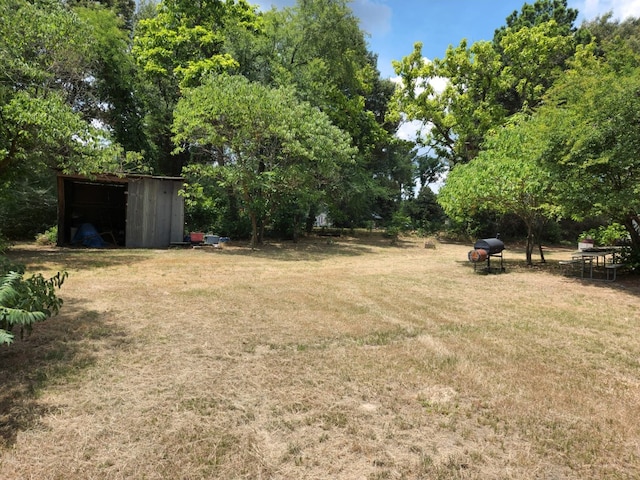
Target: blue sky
x=395, y=25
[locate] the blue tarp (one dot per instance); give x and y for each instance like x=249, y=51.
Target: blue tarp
x=88, y=236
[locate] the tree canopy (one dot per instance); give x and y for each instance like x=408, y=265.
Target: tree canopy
x=571, y=157
x=175, y=49
x=485, y=82
x=317, y=47
x=593, y=142
x=525, y=123
x=541, y=11
x=47, y=100
x=269, y=148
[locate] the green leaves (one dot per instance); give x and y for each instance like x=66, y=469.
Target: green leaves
x=505, y=178
x=595, y=142
x=534, y=58
x=268, y=146
x=486, y=82
x=25, y=302
x=186, y=41
x=460, y=113
x=576, y=156
x=51, y=90
x=40, y=44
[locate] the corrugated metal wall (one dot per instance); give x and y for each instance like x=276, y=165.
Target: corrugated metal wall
x=155, y=213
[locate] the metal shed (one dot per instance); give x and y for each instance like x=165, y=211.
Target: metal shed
x=133, y=211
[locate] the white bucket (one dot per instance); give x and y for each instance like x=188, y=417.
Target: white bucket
x=585, y=245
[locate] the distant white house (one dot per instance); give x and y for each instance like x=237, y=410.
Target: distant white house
x=323, y=220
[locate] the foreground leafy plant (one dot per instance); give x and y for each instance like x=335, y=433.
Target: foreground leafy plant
x=24, y=302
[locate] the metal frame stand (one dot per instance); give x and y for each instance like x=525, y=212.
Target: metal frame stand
x=488, y=267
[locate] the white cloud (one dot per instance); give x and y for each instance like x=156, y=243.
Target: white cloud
x=410, y=130
x=438, y=83
x=630, y=8
x=622, y=9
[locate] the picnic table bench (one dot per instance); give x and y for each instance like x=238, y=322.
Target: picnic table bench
x=613, y=267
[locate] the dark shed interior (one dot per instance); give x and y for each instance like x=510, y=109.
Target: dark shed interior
x=103, y=205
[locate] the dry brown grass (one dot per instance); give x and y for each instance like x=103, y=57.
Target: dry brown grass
x=350, y=359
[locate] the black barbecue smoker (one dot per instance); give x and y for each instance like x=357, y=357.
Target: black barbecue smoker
x=484, y=250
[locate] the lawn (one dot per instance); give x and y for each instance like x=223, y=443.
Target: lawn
x=347, y=358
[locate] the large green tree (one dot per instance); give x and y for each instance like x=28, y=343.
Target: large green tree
x=575, y=156
x=41, y=79
x=318, y=47
x=485, y=82
x=459, y=114
x=45, y=87
x=593, y=141
x=262, y=143
x=175, y=49
x=115, y=102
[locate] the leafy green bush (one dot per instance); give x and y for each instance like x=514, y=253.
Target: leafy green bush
x=606, y=235
x=631, y=258
x=399, y=224
x=27, y=206
x=49, y=237
x=25, y=301
x=392, y=232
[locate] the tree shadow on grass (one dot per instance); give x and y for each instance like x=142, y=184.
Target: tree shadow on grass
x=40, y=258
x=627, y=281
x=316, y=248
x=58, y=350
x=556, y=267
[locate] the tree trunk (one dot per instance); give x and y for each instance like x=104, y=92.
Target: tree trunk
x=296, y=224
x=254, y=230
x=261, y=231
x=541, y=224
x=541, y=252
x=530, y=243
x=632, y=224
x=311, y=219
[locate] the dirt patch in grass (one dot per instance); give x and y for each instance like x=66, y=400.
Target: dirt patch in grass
x=332, y=358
